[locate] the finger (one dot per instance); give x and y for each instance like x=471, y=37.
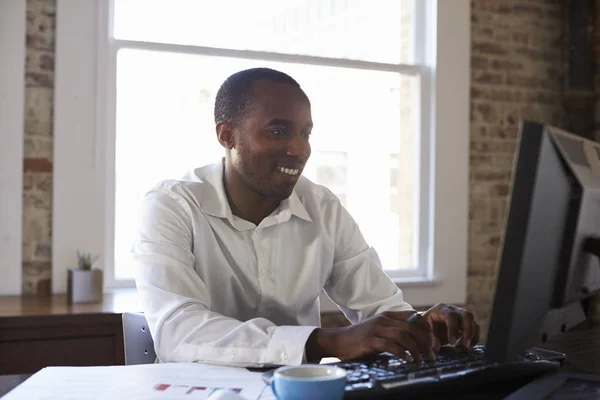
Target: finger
x=422, y=332
x=419, y=331
x=407, y=341
x=436, y=345
x=436, y=318
x=476, y=336
x=433, y=347
x=380, y=345
x=468, y=326
x=453, y=322
x=391, y=334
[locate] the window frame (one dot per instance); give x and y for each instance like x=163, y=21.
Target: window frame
x=85, y=125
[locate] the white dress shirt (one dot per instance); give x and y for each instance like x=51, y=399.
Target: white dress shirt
x=218, y=289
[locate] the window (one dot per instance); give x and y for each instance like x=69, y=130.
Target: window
x=365, y=97
x=373, y=71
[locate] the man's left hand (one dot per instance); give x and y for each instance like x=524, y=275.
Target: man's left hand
x=452, y=325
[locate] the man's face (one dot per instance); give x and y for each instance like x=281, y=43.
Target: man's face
x=272, y=141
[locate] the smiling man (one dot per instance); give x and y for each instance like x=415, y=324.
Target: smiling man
x=231, y=259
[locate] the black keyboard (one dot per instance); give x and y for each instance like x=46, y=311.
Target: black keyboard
x=452, y=369
x=383, y=375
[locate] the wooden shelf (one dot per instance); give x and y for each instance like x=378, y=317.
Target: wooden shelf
x=36, y=332
x=117, y=301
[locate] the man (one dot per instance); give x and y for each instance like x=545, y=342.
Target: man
x=231, y=259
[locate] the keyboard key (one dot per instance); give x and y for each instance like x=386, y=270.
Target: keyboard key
x=398, y=383
x=362, y=386
x=392, y=378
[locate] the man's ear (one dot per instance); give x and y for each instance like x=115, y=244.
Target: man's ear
x=225, y=135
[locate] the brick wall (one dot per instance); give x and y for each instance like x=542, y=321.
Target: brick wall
x=516, y=66
x=37, y=157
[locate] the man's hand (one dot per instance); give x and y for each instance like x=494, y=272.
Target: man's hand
x=452, y=325
x=396, y=332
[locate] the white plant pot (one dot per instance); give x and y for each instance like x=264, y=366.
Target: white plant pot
x=84, y=286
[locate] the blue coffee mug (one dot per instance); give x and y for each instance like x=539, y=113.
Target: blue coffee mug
x=314, y=382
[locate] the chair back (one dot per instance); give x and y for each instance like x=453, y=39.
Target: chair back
x=139, y=345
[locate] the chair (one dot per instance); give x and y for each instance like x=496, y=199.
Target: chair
x=139, y=345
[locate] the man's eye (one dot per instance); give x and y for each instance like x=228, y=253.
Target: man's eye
x=278, y=132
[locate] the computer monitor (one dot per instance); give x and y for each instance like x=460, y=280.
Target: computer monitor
x=549, y=258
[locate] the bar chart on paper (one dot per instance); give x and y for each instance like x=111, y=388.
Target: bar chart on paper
x=189, y=381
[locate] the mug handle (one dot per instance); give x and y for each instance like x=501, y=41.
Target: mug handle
x=272, y=384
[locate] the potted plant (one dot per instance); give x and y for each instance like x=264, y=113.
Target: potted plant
x=84, y=284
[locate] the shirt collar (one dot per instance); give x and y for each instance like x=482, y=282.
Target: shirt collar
x=214, y=200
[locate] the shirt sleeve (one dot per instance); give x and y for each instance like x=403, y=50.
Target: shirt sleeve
x=358, y=284
x=176, y=304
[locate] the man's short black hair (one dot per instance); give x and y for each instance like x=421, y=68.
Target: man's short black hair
x=234, y=101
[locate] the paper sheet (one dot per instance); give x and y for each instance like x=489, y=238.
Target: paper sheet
x=149, y=381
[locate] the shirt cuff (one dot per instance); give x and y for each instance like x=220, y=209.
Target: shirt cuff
x=287, y=345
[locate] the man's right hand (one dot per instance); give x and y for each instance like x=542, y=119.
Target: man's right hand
x=405, y=334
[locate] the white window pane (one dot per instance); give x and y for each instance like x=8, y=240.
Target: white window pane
x=369, y=30
x=363, y=121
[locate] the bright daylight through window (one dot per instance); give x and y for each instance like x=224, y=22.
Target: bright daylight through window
x=358, y=62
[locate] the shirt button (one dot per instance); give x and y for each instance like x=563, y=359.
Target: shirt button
x=264, y=272
x=284, y=356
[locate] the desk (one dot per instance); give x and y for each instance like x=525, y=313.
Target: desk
x=36, y=332
x=582, y=346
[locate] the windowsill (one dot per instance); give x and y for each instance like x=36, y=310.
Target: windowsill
x=417, y=282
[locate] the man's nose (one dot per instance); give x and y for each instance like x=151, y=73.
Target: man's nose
x=299, y=147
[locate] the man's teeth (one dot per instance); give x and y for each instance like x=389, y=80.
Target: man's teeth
x=288, y=171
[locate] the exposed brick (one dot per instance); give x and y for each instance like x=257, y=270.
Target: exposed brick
x=39, y=112
x=555, y=13
x=38, y=147
x=549, y=98
x=502, y=132
x=520, y=38
x=525, y=82
x=477, y=93
x=38, y=144
x=500, y=189
x=27, y=181
x=486, y=77
x=41, y=19
x=38, y=79
x=37, y=278
x=43, y=250
x=36, y=200
x=522, y=81
x=484, y=33
x=525, y=9
x=550, y=55
x=502, y=95
x=36, y=165
x=488, y=48
x=507, y=65
x=480, y=160
x=479, y=62
x=493, y=147
x=484, y=112
x=490, y=175
x=478, y=209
